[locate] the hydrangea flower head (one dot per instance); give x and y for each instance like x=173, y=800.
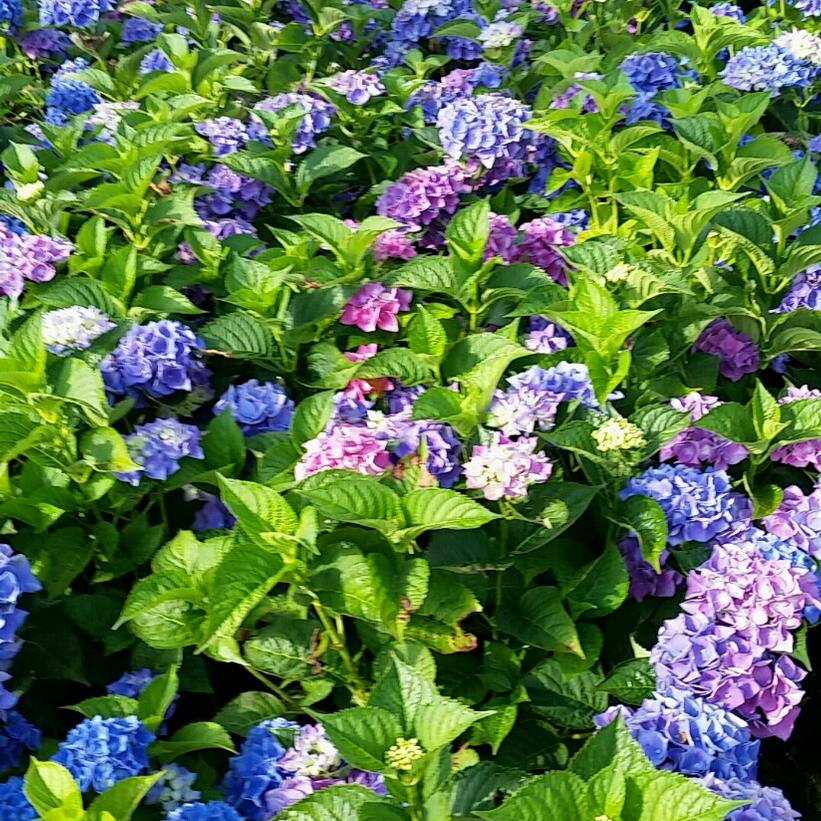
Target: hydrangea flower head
x=804, y=292
x=802, y=44
x=158, y=60
x=73, y=329
x=737, y=353
x=346, y=446
x=258, y=407
x=17, y=735
x=76, y=13
x=157, y=448
x=766, y=68
x=131, y=684
x=798, y=519
x=807, y=451
x=506, y=467
x=441, y=443
x=618, y=434
x=699, y=505
x=139, y=30
x=99, y=752
x=317, y=117
x=652, y=71
x=644, y=579
x=209, y=811
x=376, y=306
x=312, y=753
x=545, y=336
x=156, y=359
x=500, y=34
x=358, y=87
x=540, y=239
x=501, y=241
x=42, y=43
x=393, y=244
x=766, y=803
x=67, y=97
x=28, y=257
x=226, y=134
x=14, y=806
x=174, y=788
x=725, y=9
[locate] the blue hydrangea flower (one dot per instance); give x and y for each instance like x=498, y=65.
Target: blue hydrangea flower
x=809, y=8
x=767, y=68
x=211, y=811
x=14, y=806
x=174, y=788
x=17, y=735
x=157, y=60
x=67, y=97
x=804, y=292
x=16, y=578
x=652, y=71
x=258, y=407
x=156, y=359
x=139, y=30
x=42, y=43
x=444, y=448
x=73, y=329
x=767, y=803
x=213, y=515
x=15, y=225
x=11, y=13
x=700, y=505
x=256, y=770
x=99, y=752
x=157, y=448
x=725, y=9
x=77, y=13
x=694, y=737
x=226, y=134
x=131, y=684
x=358, y=87
x=317, y=118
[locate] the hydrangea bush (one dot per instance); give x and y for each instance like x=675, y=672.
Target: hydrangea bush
x=409, y=410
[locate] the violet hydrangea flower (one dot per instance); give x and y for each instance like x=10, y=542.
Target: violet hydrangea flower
x=545, y=336
x=441, y=443
x=76, y=13
x=798, y=519
x=28, y=257
x=316, y=119
x=766, y=803
x=393, y=244
x=226, y=134
x=501, y=240
x=258, y=407
x=644, y=579
x=804, y=292
x=157, y=448
x=99, y=752
x=376, y=306
x=42, y=43
x=540, y=239
x=807, y=451
x=506, y=467
x=738, y=354
x=358, y=87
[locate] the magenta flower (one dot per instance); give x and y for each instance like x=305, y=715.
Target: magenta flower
x=393, y=244
x=540, y=239
x=345, y=446
x=376, y=306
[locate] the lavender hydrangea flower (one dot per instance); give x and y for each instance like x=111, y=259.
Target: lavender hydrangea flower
x=692, y=736
x=699, y=505
x=499, y=34
x=766, y=803
x=158, y=60
x=73, y=329
x=156, y=359
x=804, y=292
x=157, y=448
x=725, y=9
x=209, y=811
x=258, y=407
x=652, y=71
x=540, y=239
x=358, y=87
x=544, y=336
x=174, y=788
x=805, y=452
x=30, y=256
x=17, y=736
x=346, y=446
x=231, y=193
x=226, y=134
x=644, y=580
x=501, y=241
x=317, y=118
x=14, y=806
x=107, y=117
x=798, y=519
x=419, y=197
x=738, y=354
x=393, y=244
x=506, y=468
x=441, y=442
x=99, y=752
x=76, y=13
x=139, y=30
x=696, y=446
x=766, y=68
x=312, y=753
x=293, y=788
x=42, y=43
x=376, y=306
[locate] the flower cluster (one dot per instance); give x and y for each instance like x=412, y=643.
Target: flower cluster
x=29, y=257
x=258, y=407
x=737, y=353
x=764, y=803
x=544, y=336
x=804, y=292
x=798, y=519
x=376, y=306
x=506, y=467
x=645, y=580
x=358, y=87
x=805, y=452
x=767, y=68
x=73, y=329
x=157, y=447
x=316, y=118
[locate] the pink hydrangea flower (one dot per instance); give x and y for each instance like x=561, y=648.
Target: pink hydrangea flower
x=376, y=306
x=393, y=244
x=345, y=446
x=506, y=467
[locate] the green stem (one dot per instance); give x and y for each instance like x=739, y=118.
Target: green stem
x=356, y=686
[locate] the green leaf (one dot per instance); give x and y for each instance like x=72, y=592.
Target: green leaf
x=631, y=681
x=284, y=648
x=397, y=362
x=363, y=735
x=50, y=786
x=239, y=334
x=603, y=588
x=63, y=293
x=166, y=300
x=347, y=802
x=324, y=161
x=441, y=509
x=247, y=710
x=261, y=512
x=646, y=518
x=567, y=700
x=659, y=425
x=467, y=233
x=766, y=413
x=426, y=274
x=359, y=499
x=311, y=416
x=104, y=449
x=107, y=706
x=554, y=795
x=83, y=386
x=426, y=334
x=121, y=800
x=538, y=618
x=614, y=745
x=606, y=793
x=156, y=698
x=666, y=796
x=119, y=272
x=202, y=735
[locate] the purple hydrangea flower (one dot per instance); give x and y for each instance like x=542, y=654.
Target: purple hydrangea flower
x=692, y=736
x=226, y=134
x=806, y=452
x=77, y=13
x=209, y=811
x=544, y=336
x=73, y=329
x=443, y=446
x=213, y=515
x=421, y=196
x=644, y=580
x=157, y=448
x=17, y=736
x=402, y=397
x=766, y=68
x=506, y=468
x=376, y=306
x=14, y=806
x=99, y=752
x=804, y=292
x=232, y=194
x=393, y=244
x=738, y=354
x=256, y=769
x=540, y=239
x=358, y=87
x=696, y=446
x=258, y=407
x=725, y=9
x=316, y=119
x=42, y=43
x=28, y=256
x=766, y=803
x=156, y=359
x=312, y=753
x=158, y=60
x=345, y=446
x=699, y=505
x=139, y=30
x=501, y=241
x=798, y=519
x=652, y=71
